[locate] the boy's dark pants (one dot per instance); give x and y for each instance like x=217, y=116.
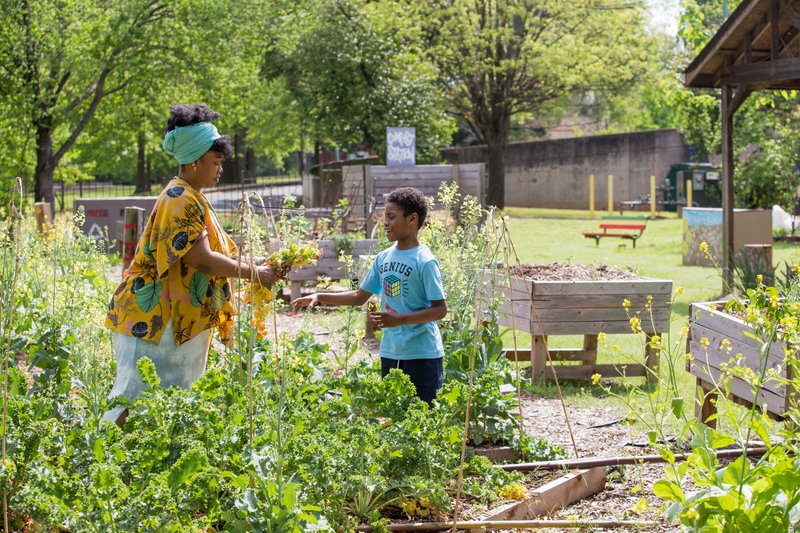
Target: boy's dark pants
x=427, y=375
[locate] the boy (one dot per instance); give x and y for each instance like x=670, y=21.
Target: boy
x=407, y=278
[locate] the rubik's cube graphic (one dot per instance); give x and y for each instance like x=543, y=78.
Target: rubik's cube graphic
x=391, y=286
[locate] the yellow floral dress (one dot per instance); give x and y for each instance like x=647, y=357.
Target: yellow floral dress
x=159, y=285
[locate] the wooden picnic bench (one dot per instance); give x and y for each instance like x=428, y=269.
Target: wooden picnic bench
x=626, y=229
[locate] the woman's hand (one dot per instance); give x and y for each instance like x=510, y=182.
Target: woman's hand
x=267, y=276
x=305, y=301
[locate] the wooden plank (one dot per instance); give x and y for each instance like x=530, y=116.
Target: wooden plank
x=556, y=354
x=726, y=326
x=738, y=388
x=716, y=359
x=645, y=287
x=606, y=370
x=578, y=328
x=657, y=315
x=749, y=351
x=498, y=454
x=523, y=311
x=771, y=73
x=569, y=301
x=559, y=493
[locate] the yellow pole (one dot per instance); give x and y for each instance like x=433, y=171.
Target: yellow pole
x=591, y=196
x=610, y=194
x=652, y=197
x=688, y=193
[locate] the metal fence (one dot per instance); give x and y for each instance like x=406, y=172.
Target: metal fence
x=223, y=196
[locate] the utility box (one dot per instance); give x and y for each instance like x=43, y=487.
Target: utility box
x=105, y=217
x=706, y=186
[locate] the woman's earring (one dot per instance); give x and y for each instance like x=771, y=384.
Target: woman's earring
x=194, y=166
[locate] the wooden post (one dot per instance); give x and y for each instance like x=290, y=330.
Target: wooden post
x=652, y=197
x=706, y=404
x=727, y=190
x=689, y=193
x=295, y=289
x=538, y=357
x=44, y=215
x=651, y=359
x=610, y=194
x=131, y=230
x=590, y=347
x=591, y=196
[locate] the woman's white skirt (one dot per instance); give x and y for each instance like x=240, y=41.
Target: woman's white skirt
x=175, y=365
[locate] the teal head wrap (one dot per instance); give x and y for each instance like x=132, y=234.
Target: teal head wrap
x=189, y=143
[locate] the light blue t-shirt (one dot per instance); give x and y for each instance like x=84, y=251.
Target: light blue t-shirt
x=407, y=281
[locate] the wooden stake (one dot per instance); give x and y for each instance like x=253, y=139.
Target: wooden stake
x=44, y=216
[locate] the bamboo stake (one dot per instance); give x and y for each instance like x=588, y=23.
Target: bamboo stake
x=506, y=238
x=546, y=351
x=592, y=462
x=476, y=338
x=488, y=525
x=16, y=216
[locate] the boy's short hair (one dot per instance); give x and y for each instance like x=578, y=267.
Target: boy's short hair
x=411, y=200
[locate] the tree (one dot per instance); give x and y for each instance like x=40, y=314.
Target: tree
x=353, y=68
x=60, y=59
x=498, y=59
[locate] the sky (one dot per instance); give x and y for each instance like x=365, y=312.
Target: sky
x=664, y=15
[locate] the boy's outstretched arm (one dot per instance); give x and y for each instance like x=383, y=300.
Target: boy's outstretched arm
x=391, y=318
x=356, y=297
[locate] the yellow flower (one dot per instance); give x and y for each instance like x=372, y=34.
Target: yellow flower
x=685, y=330
x=514, y=491
x=688, y=357
x=725, y=345
x=679, y=291
x=692, y=515
x=626, y=303
x=636, y=326
x=704, y=343
x=704, y=247
x=596, y=379
x=601, y=337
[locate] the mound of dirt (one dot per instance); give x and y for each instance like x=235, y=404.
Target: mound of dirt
x=571, y=272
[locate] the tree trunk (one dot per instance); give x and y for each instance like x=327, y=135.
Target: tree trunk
x=250, y=164
x=142, y=176
x=45, y=168
x=496, y=167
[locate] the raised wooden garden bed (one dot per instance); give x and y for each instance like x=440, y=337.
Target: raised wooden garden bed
x=553, y=495
x=582, y=307
x=709, y=322
x=328, y=265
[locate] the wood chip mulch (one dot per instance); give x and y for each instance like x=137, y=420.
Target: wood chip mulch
x=571, y=272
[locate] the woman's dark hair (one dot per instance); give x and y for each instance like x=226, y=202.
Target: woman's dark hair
x=411, y=200
x=186, y=115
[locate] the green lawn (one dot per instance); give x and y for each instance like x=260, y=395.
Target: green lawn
x=547, y=235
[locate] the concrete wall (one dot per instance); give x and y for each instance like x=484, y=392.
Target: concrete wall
x=556, y=173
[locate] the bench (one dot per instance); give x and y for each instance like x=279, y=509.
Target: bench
x=623, y=230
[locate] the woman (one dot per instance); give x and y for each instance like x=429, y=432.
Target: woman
x=176, y=290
